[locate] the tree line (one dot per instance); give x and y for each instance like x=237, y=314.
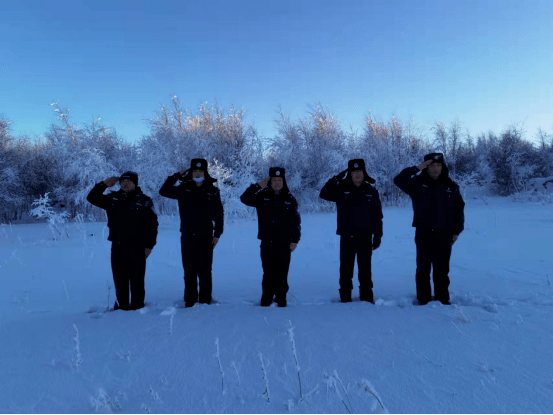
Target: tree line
x=70, y=159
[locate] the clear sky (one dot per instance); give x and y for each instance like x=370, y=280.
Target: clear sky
x=490, y=63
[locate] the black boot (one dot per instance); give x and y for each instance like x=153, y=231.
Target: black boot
x=366, y=294
x=266, y=301
x=345, y=296
x=190, y=300
x=281, y=301
x=116, y=306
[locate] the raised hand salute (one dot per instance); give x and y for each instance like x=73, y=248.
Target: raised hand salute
x=424, y=165
x=279, y=229
x=359, y=226
x=132, y=224
x=438, y=216
x=202, y=223
x=110, y=182
x=263, y=183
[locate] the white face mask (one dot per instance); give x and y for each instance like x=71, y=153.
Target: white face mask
x=198, y=179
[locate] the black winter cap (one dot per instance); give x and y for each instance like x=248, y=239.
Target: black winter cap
x=131, y=175
x=359, y=164
x=438, y=158
x=356, y=164
x=277, y=172
x=435, y=157
x=198, y=164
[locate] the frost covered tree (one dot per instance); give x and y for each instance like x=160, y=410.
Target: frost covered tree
x=231, y=147
x=71, y=159
x=77, y=158
x=449, y=141
x=311, y=149
x=56, y=220
x=511, y=161
x=389, y=147
x=10, y=187
x=544, y=154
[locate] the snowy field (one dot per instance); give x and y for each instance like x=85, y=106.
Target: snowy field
x=489, y=352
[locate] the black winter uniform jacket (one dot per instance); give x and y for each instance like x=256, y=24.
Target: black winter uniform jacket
x=131, y=218
x=278, y=218
x=359, y=208
x=200, y=207
x=437, y=204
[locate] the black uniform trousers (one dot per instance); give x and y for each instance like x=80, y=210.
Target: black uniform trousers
x=359, y=245
x=433, y=251
x=197, y=259
x=128, y=264
x=275, y=259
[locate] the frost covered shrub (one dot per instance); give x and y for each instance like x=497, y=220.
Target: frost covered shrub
x=71, y=159
x=56, y=220
x=77, y=160
x=312, y=150
x=536, y=196
x=510, y=159
x=387, y=149
x=471, y=186
x=10, y=191
x=232, y=184
x=231, y=147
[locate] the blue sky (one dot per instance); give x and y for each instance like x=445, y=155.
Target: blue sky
x=489, y=63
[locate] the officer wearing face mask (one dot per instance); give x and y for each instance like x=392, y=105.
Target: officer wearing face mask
x=202, y=220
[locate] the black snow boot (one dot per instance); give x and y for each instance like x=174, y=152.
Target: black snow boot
x=116, y=306
x=281, y=302
x=266, y=301
x=345, y=296
x=366, y=294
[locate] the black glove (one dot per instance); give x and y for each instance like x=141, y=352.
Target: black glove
x=376, y=242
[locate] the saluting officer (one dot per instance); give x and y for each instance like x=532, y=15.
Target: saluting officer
x=202, y=220
x=279, y=225
x=132, y=225
x=359, y=226
x=438, y=216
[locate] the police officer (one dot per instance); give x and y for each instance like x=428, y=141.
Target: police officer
x=132, y=225
x=201, y=216
x=438, y=216
x=279, y=225
x=359, y=226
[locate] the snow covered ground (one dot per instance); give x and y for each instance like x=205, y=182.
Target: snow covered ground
x=490, y=352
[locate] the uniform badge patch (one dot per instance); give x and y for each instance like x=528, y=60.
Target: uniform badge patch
x=277, y=173
x=198, y=164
